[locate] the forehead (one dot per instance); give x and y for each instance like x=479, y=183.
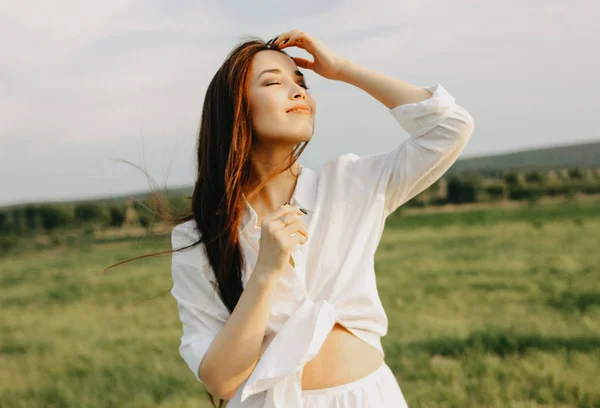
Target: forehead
x=268, y=59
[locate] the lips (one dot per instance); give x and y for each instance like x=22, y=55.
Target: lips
x=302, y=109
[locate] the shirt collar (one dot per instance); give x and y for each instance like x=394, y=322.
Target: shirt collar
x=304, y=197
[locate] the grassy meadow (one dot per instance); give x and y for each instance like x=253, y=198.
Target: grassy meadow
x=486, y=308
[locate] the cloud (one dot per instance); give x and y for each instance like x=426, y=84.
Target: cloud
x=90, y=79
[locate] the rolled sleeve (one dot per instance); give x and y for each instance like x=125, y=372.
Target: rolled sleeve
x=420, y=117
x=439, y=130
x=195, y=342
x=201, y=311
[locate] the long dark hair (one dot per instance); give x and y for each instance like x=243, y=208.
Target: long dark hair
x=223, y=153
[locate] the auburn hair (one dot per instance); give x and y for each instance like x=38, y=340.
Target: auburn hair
x=223, y=174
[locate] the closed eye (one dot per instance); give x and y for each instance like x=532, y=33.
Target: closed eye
x=302, y=85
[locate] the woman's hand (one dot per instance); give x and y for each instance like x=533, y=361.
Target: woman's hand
x=277, y=239
x=326, y=63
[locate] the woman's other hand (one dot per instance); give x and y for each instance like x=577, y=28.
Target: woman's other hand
x=326, y=63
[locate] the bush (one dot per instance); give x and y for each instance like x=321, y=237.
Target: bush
x=145, y=215
x=439, y=201
x=145, y=220
x=53, y=216
x=116, y=215
x=32, y=218
x=19, y=221
x=495, y=191
x=511, y=178
x=179, y=203
x=463, y=190
x=567, y=189
x=4, y=222
x=535, y=177
x=85, y=212
x=576, y=174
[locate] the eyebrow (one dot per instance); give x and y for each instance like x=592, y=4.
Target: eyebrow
x=278, y=71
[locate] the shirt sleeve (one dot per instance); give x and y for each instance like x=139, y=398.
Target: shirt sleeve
x=439, y=130
x=201, y=310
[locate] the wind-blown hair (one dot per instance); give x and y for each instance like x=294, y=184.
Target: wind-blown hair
x=224, y=173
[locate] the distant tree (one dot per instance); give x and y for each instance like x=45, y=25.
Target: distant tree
x=496, y=191
x=116, y=215
x=19, y=221
x=32, y=218
x=462, y=190
x=454, y=189
x=53, y=216
x=535, y=177
x=4, y=223
x=87, y=212
x=179, y=202
x=576, y=173
x=144, y=214
x=145, y=220
x=511, y=178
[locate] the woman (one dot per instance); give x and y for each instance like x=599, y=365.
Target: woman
x=273, y=271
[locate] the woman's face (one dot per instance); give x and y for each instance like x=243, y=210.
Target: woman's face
x=273, y=94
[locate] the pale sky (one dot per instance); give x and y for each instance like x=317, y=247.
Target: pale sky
x=84, y=83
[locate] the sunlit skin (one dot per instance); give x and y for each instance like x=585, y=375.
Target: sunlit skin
x=276, y=133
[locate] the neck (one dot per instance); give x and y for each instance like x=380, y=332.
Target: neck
x=275, y=192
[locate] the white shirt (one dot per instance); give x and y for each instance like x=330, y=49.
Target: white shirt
x=348, y=201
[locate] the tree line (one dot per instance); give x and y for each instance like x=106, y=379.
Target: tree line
x=509, y=185
x=455, y=189
x=47, y=217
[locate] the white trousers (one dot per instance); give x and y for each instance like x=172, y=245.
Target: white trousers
x=377, y=390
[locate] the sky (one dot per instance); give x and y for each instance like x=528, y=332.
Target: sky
x=87, y=86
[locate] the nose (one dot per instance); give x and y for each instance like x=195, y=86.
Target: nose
x=299, y=91
x=301, y=94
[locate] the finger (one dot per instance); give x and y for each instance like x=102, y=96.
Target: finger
x=284, y=37
x=292, y=218
x=299, y=39
x=302, y=228
x=295, y=239
x=297, y=226
x=289, y=39
x=303, y=63
x=281, y=43
x=282, y=210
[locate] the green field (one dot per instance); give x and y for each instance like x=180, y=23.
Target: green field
x=496, y=308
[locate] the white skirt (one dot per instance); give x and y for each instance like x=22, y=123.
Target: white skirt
x=377, y=390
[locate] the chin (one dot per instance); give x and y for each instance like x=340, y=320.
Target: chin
x=304, y=138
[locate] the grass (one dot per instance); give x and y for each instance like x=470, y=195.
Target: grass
x=485, y=309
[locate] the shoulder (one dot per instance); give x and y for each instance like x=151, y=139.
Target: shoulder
x=189, y=225
x=349, y=169
x=340, y=160
x=351, y=163
x=185, y=233
x=337, y=166
x=194, y=281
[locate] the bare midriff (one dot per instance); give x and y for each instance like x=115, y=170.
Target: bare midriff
x=343, y=358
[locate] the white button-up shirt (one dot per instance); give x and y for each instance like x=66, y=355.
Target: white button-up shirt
x=348, y=201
